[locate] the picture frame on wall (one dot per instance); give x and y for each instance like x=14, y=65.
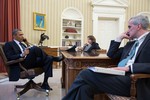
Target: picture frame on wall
x=39, y=21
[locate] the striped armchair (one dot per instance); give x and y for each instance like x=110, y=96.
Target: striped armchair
x=133, y=90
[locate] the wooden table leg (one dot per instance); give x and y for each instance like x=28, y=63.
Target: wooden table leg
x=63, y=75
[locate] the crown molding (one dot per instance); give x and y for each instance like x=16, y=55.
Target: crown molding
x=111, y=3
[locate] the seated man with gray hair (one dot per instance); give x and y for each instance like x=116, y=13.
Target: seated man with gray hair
x=134, y=58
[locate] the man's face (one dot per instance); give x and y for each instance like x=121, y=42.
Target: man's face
x=19, y=36
x=132, y=30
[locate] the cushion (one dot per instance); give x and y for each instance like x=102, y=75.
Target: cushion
x=31, y=73
x=115, y=97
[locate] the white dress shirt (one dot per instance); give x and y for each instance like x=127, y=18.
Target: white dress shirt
x=18, y=43
x=140, y=39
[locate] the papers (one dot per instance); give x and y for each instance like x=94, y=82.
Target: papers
x=107, y=70
x=87, y=48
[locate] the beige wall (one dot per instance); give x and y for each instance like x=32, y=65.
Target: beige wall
x=53, y=10
x=135, y=7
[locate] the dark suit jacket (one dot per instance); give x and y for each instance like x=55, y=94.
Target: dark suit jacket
x=13, y=52
x=141, y=64
x=93, y=46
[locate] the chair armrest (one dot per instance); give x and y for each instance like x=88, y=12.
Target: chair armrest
x=134, y=78
x=14, y=61
x=138, y=76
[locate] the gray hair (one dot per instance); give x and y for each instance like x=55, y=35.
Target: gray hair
x=15, y=31
x=141, y=19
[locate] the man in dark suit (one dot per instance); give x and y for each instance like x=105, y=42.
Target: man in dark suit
x=33, y=57
x=89, y=83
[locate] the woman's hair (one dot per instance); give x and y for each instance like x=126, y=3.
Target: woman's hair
x=92, y=38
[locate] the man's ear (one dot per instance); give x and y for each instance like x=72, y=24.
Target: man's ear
x=139, y=26
x=14, y=36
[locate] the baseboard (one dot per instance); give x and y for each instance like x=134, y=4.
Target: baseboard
x=4, y=80
x=3, y=77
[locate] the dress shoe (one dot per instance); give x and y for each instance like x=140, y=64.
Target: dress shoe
x=58, y=59
x=45, y=86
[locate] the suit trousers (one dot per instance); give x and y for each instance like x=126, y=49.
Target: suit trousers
x=38, y=58
x=88, y=83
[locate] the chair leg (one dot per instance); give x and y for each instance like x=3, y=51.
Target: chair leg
x=30, y=85
x=39, y=84
x=27, y=86
x=38, y=87
x=20, y=86
x=133, y=89
x=23, y=91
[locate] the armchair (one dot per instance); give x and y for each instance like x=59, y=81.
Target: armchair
x=25, y=74
x=134, y=78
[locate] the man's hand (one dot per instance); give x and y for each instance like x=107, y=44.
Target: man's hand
x=26, y=41
x=124, y=35
x=126, y=68
x=26, y=52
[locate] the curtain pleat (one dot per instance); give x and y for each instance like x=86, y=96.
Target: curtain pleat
x=9, y=20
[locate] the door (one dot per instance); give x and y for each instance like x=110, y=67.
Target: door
x=108, y=29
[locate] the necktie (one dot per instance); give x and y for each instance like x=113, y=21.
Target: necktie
x=123, y=62
x=22, y=46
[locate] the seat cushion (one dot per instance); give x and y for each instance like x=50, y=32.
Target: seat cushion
x=115, y=97
x=31, y=73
